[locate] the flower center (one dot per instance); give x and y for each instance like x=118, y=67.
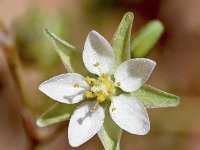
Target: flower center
x=101, y=88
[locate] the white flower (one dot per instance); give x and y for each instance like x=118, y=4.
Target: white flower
x=125, y=110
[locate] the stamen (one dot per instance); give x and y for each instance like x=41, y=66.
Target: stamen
x=110, y=90
x=104, y=76
x=88, y=94
x=96, y=65
x=96, y=83
x=95, y=106
x=88, y=80
x=92, y=110
x=101, y=98
x=113, y=107
x=98, y=92
x=76, y=85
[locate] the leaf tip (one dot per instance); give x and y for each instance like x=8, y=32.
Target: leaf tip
x=158, y=25
x=177, y=101
x=49, y=33
x=46, y=30
x=40, y=123
x=129, y=15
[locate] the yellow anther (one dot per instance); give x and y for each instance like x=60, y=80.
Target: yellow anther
x=96, y=65
x=76, y=85
x=88, y=94
x=97, y=93
x=101, y=98
x=110, y=90
x=118, y=83
x=95, y=106
x=106, y=84
x=92, y=110
x=88, y=80
x=113, y=109
x=104, y=76
x=96, y=83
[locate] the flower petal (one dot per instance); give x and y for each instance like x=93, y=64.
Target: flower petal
x=130, y=115
x=61, y=88
x=84, y=124
x=98, y=50
x=133, y=73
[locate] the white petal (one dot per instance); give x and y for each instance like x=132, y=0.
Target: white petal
x=84, y=124
x=130, y=115
x=133, y=73
x=98, y=50
x=61, y=88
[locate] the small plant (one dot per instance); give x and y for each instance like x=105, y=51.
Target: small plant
x=104, y=90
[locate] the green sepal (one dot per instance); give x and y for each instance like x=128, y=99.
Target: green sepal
x=70, y=56
x=110, y=133
x=146, y=38
x=155, y=98
x=57, y=113
x=121, y=40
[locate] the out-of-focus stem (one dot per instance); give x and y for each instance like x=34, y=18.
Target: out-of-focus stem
x=14, y=63
x=16, y=70
x=2, y=27
x=8, y=44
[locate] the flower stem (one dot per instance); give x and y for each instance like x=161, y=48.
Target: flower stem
x=8, y=44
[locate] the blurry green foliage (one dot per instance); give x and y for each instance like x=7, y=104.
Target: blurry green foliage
x=96, y=9
x=30, y=40
x=146, y=38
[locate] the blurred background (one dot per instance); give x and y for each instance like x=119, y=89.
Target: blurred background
x=27, y=58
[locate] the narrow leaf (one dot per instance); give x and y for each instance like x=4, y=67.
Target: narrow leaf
x=155, y=98
x=121, y=39
x=146, y=38
x=57, y=113
x=70, y=56
x=110, y=133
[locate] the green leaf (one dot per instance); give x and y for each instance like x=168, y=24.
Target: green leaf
x=70, y=56
x=155, y=98
x=146, y=38
x=57, y=113
x=121, y=39
x=110, y=133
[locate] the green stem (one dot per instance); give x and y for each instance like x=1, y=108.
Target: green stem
x=17, y=74
x=2, y=27
x=16, y=71
x=7, y=43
